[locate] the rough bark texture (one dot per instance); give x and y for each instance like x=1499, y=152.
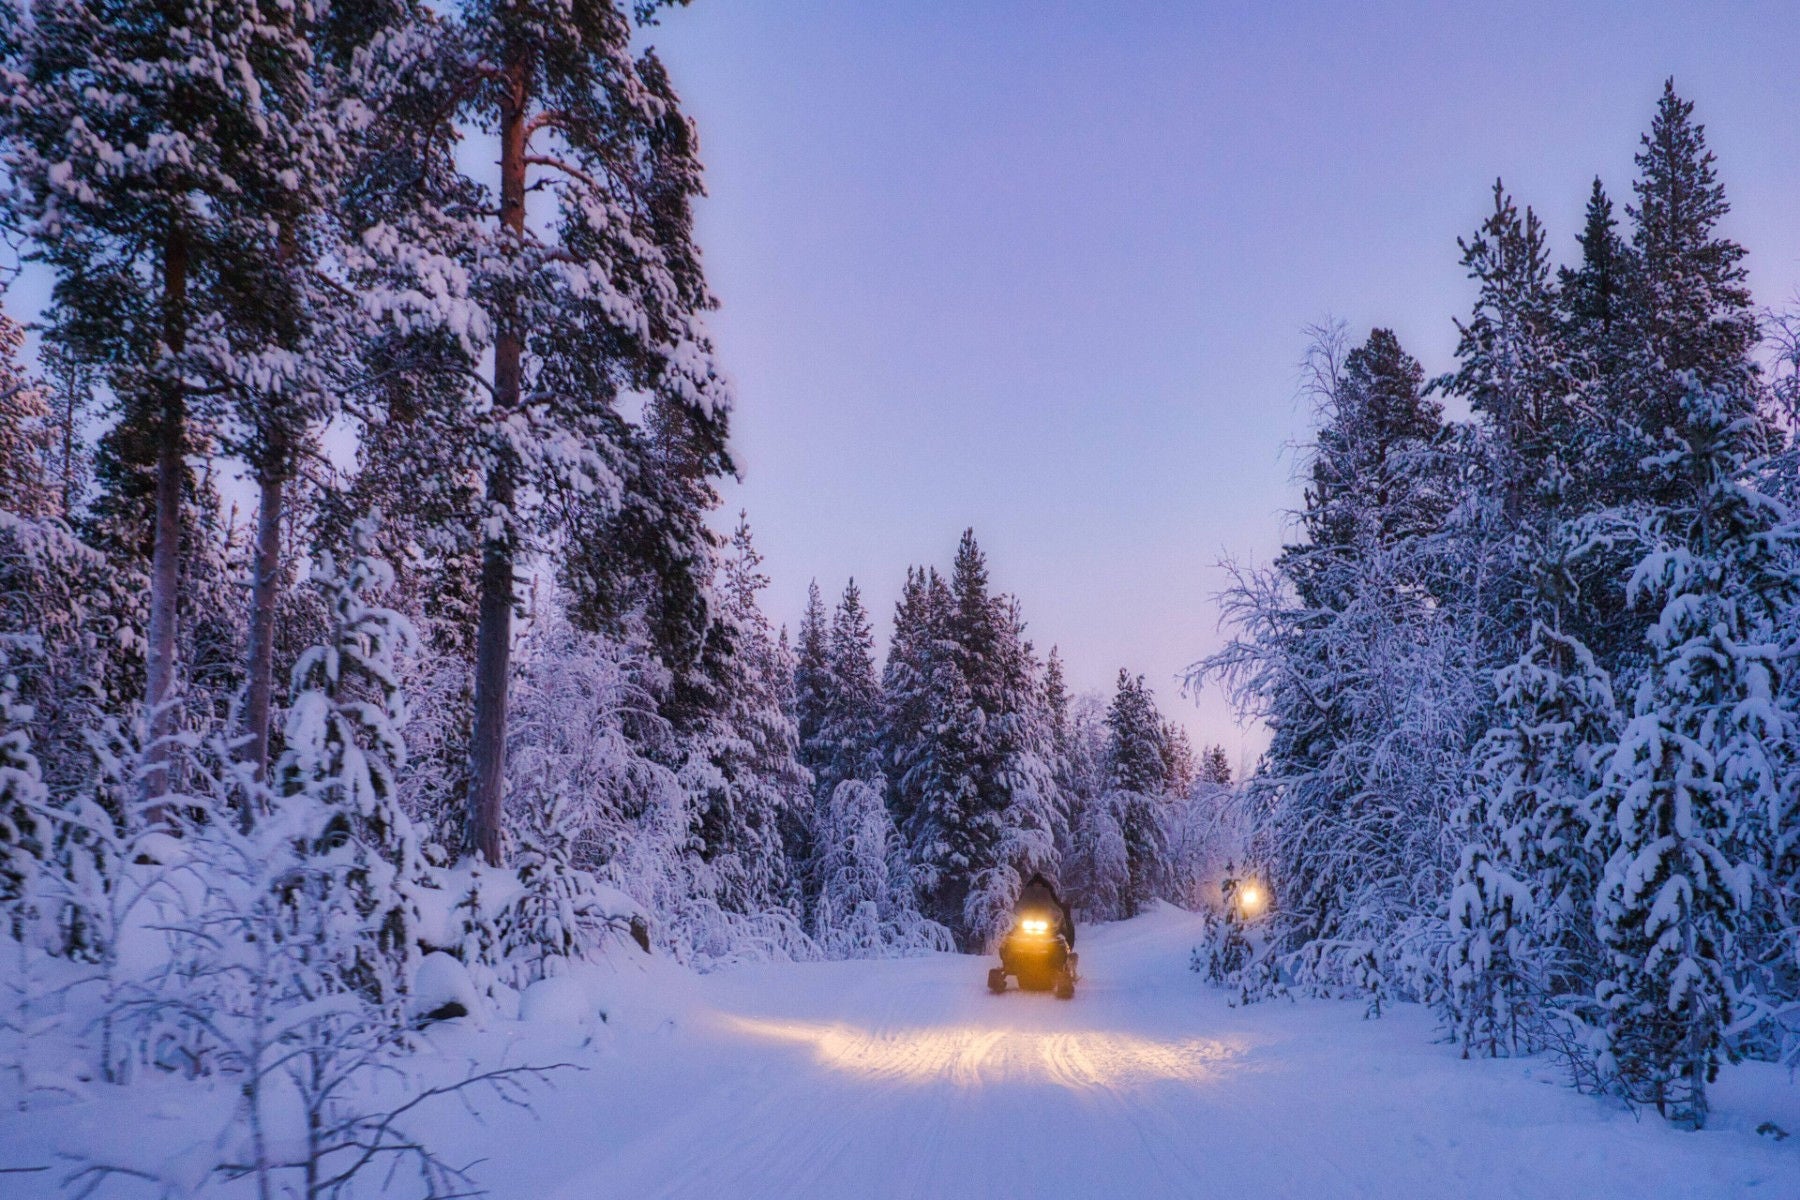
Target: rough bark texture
x=493, y=635
x=260, y=691
x=165, y=558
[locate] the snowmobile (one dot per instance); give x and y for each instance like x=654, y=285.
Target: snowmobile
x=1037, y=954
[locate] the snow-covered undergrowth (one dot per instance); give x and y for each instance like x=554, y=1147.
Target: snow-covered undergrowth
x=144, y=1076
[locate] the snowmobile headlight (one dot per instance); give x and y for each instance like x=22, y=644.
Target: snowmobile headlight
x=1034, y=925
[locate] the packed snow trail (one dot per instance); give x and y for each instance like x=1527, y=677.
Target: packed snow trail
x=906, y=1078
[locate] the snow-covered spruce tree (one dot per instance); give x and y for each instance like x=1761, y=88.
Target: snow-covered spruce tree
x=1596, y=311
x=855, y=833
x=1646, y=319
x=1099, y=864
x=1057, y=700
x=1591, y=296
x=1095, y=873
x=410, y=470
x=865, y=907
x=914, y=652
x=1513, y=370
x=740, y=763
x=1058, y=708
x=1705, y=769
x=1525, y=823
x=588, y=739
x=116, y=115
x=812, y=670
x=1522, y=902
x=1138, y=786
x=939, y=790
x=555, y=920
x=336, y=783
x=553, y=317
x=1361, y=673
x=850, y=717
x=838, y=692
x=1692, y=325
x=86, y=615
x=1510, y=358
x=969, y=745
x=1022, y=752
x=1180, y=768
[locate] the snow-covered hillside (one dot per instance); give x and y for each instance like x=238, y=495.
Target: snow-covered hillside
x=905, y=1078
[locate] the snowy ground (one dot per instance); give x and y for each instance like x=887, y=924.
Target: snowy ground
x=907, y=1079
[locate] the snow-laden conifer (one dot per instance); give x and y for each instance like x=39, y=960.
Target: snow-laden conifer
x=552, y=314
x=336, y=785
x=116, y=118
x=1522, y=901
x=1704, y=769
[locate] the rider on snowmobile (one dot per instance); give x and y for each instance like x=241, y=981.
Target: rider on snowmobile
x=1040, y=949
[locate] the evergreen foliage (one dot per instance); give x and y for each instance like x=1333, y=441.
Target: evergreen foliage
x=337, y=782
x=1527, y=677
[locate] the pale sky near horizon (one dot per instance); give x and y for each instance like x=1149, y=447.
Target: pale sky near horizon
x=1043, y=268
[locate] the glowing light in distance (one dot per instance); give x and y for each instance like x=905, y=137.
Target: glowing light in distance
x=1251, y=899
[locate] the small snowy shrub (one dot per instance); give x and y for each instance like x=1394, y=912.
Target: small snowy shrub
x=336, y=780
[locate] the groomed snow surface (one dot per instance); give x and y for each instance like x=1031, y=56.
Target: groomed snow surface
x=906, y=1078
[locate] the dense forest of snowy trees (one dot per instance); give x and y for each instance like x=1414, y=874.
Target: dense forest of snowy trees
x=482, y=691
x=478, y=692
x=1530, y=677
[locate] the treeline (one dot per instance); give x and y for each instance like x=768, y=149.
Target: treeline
x=475, y=691
x=477, y=625
x=265, y=242
x=1530, y=677
x=965, y=765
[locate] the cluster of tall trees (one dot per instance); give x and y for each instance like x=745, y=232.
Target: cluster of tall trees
x=477, y=619
x=1529, y=676
x=452, y=390
x=969, y=755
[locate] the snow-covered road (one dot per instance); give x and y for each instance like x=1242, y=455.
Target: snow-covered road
x=907, y=1079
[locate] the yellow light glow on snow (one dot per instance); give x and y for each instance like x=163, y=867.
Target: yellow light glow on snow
x=973, y=1056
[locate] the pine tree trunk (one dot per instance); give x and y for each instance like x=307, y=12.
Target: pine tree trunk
x=65, y=418
x=165, y=559
x=493, y=633
x=264, y=582
x=274, y=465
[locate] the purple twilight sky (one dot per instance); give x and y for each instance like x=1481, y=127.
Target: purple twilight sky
x=1042, y=268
